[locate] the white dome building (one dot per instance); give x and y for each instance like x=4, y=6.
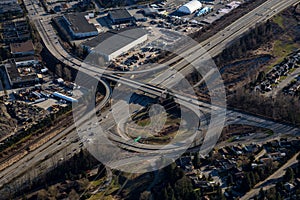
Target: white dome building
x=190, y=7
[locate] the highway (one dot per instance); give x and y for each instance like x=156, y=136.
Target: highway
x=213, y=45
x=50, y=153
x=197, y=54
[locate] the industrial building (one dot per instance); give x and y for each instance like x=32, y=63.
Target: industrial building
x=17, y=79
x=14, y=31
x=77, y=25
x=14, y=25
x=150, y=12
x=64, y=97
x=26, y=61
x=137, y=15
x=208, y=1
x=204, y=11
x=190, y=7
x=13, y=8
x=8, y=1
x=114, y=43
x=120, y=16
x=15, y=36
x=22, y=49
x=233, y=4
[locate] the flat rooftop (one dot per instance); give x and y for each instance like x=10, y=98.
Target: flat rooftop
x=119, y=14
x=14, y=25
x=15, y=75
x=78, y=23
x=25, y=58
x=114, y=40
x=13, y=7
x=8, y=1
x=21, y=47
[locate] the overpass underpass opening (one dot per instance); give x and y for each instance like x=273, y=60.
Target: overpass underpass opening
x=114, y=150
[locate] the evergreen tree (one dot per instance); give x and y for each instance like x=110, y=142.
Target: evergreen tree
x=278, y=196
x=262, y=194
x=196, y=161
x=289, y=175
x=170, y=192
x=229, y=180
x=165, y=194
x=249, y=184
x=183, y=188
x=252, y=179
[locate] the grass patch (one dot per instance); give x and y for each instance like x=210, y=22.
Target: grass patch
x=231, y=139
x=281, y=50
x=24, y=139
x=112, y=190
x=107, y=193
x=101, y=196
x=282, y=78
x=269, y=132
x=97, y=182
x=279, y=20
x=292, y=70
x=144, y=122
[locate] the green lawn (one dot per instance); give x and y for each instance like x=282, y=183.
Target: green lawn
x=97, y=182
x=144, y=122
x=279, y=20
x=280, y=51
x=283, y=48
x=269, y=132
x=101, y=196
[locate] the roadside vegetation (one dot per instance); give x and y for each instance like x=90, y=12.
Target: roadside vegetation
x=285, y=187
x=143, y=120
x=26, y=136
x=275, y=39
x=70, y=179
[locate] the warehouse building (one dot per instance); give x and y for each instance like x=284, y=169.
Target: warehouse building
x=26, y=61
x=77, y=26
x=120, y=16
x=150, y=12
x=114, y=43
x=22, y=49
x=190, y=7
x=208, y=1
x=64, y=97
x=14, y=31
x=17, y=79
x=8, y=1
x=12, y=8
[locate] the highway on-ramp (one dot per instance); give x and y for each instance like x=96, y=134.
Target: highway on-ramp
x=213, y=46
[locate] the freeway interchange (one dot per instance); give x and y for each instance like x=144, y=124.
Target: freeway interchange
x=213, y=46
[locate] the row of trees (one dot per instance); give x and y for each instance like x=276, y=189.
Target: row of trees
x=279, y=192
x=252, y=176
x=282, y=108
x=252, y=40
x=4, y=53
x=71, y=176
x=225, y=20
x=35, y=129
x=177, y=186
